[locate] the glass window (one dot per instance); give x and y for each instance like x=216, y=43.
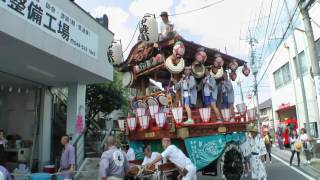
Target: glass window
x=303, y=63
x=282, y=76
x=313, y=129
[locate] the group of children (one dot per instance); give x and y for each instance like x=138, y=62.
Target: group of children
x=214, y=94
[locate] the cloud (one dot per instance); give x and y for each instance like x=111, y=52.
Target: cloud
x=118, y=19
x=218, y=26
x=139, y=7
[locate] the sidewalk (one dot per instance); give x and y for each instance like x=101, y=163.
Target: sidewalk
x=285, y=154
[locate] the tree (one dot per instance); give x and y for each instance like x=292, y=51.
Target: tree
x=105, y=98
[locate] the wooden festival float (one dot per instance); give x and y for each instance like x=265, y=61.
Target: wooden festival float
x=213, y=147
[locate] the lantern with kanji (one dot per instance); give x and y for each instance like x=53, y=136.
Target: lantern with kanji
x=205, y=114
x=160, y=119
x=115, y=53
x=153, y=110
x=132, y=123
x=121, y=124
x=148, y=28
x=177, y=114
x=144, y=122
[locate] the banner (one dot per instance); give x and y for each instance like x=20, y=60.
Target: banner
x=204, y=150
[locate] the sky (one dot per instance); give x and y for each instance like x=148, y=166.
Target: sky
x=225, y=26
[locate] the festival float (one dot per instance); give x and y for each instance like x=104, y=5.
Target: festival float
x=212, y=146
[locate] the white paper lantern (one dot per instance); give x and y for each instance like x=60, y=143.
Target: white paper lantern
x=252, y=114
x=115, y=53
x=153, y=110
x=177, y=114
x=241, y=108
x=226, y=114
x=140, y=111
x=144, y=122
x=121, y=123
x=160, y=119
x=205, y=114
x=148, y=28
x=132, y=123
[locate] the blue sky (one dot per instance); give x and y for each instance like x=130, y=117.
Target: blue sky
x=222, y=26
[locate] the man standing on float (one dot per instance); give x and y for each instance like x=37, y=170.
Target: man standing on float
x=188, y=89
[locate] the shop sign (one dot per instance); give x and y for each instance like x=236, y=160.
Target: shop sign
x=48, y=17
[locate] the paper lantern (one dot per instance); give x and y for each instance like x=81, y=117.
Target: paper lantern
x=121, y=123
x=115, y=53
x=241, y=108
x=140, y=111
x=233, y=75
x=226, y=114
x=178, y=49
x=245, y=70
x=160, y=119
x=177, y=114
x=201, y=55
x=252, y=114
x=148, y=27
x=233, y=65
x=205, y=114
x=153, y=110
x=144, y=122
x=132, y=123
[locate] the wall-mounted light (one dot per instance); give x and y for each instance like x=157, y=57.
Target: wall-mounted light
x=2, y=87
x=10, y=89
x=27, y=91
x=19, y=90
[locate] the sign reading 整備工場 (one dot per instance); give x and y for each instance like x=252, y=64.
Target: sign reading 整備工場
x=54, y=21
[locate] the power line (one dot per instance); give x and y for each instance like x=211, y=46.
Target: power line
x=201, y=8
x=283, y=37
x=131, y=38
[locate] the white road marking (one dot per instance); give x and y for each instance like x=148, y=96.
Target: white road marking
x=293, y=168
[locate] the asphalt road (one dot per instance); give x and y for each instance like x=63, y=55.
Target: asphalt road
x=277, y=170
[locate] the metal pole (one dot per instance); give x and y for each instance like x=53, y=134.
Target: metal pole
x=299, y=73
x=257, y=99
x=312, y=52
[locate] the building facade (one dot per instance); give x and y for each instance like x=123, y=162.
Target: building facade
x=47, y=45
x=287, y=101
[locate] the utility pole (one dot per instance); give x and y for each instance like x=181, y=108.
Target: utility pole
x=299, y=73
x=255, y=73
x=312, y=49
x=241, y=92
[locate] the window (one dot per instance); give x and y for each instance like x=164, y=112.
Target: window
x=313, y=129
x=303, y=64
x=282, y=76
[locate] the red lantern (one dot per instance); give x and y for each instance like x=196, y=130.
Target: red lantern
x=161, y=119
x=177, y=114
x=144, y=122
x=132, y=123
x=233, y=75
x=205, y=114
x=245, y=70
x=233, y=65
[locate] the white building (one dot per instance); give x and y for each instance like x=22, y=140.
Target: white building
x=287, y=100
x=46, y=44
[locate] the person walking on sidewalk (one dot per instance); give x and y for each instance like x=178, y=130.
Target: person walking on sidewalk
x=306, y=144
x=296, y=146
x=268, y=144
x=67, y=162
x=258, y=150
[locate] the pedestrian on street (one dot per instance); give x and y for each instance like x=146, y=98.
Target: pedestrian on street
x=306, y=144
x=113, y=163
x=188, y=170
x=245, y=148
x=258, y=150
x=67, y=161
x=295, y=145
x=268, y=144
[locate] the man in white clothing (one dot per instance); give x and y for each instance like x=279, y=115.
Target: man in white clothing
x=165, y=27
x=128, y=150
x=149, y=156
x=177, y=157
